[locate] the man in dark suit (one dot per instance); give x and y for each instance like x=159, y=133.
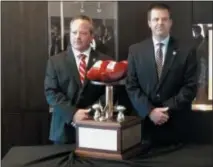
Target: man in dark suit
x=67, y=89
x=161, y=80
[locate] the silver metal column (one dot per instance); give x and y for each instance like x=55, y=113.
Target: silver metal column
x=109, y=101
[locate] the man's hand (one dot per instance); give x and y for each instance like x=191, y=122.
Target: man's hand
x=81, y=114
x=159, y=115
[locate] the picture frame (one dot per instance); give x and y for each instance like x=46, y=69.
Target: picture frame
x=202, y=41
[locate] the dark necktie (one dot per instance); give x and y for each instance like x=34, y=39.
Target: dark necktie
x=159, y=59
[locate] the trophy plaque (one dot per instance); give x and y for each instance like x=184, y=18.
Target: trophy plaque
x=107, y=136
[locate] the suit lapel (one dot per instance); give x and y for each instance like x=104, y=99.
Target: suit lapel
x=92, y=60
x=73, y=70
x=149, y=63
x=169, y=59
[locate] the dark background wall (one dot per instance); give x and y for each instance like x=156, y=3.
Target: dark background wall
x=202, y=12
x=24, y=44
x=24, y=54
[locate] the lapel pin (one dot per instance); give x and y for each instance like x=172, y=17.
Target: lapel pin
x=174, y=52
x=93, y=60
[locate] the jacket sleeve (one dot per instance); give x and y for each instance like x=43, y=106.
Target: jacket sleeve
x=54, y=96
x=189, y=88
x=137, y=96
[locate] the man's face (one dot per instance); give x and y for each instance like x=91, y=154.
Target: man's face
x=80, y=36
x=160, y=22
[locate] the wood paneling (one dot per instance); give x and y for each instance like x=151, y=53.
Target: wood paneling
x=24, y=128
x=11, y=128
x=24, y=37
x=132, y=25
x=201, y=127
x=202, y=12
x=182, y=19
x=36, y=129
x=11, y=52
x=24, y=55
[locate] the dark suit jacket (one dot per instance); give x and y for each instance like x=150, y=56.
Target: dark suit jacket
x=176, y=88
x=65, y=93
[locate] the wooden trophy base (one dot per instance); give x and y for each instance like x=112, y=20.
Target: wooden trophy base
x=109, y=139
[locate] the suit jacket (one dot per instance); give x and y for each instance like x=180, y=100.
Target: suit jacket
x=65, y=93
x=175, y=89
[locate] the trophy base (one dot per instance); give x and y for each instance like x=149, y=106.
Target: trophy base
x=109, y=139
x=107, y=155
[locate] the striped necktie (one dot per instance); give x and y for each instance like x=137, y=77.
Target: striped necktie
x=82, y=67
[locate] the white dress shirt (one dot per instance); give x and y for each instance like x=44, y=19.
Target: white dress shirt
x=165, y=43
x=77, y=58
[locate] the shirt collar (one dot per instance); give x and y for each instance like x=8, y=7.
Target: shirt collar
x=77, y=52
x=165, y=41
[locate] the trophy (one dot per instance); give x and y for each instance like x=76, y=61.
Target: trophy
x=109, y=134
x=106, y=113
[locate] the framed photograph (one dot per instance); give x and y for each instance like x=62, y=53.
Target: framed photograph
x=202, y=40
x=210, y=64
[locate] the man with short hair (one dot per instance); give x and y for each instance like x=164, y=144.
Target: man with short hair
x=162, y=79
x=67, y=89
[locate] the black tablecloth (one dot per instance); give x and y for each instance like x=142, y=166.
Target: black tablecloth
x=62, y=156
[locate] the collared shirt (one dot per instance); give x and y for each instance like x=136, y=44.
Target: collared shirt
x=77, y=53
x=164, y=47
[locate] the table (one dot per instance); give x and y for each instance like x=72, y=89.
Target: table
x=62, y=156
